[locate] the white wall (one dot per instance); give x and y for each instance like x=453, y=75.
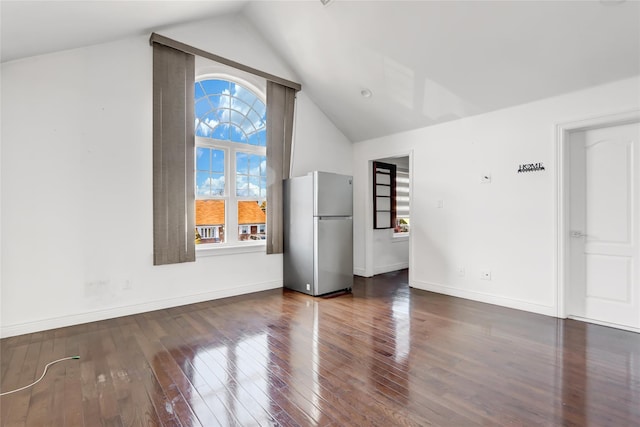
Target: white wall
x=318, y=145
x=77, y=184
x=390, y=251
x=507, y=226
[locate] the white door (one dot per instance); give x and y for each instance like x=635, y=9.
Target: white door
x=604, y=272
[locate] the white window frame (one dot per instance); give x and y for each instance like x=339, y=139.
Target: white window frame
x=231, y=226
x=231, y=244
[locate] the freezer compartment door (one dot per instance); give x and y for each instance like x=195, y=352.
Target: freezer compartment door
x=333, y=254
x=333, y=194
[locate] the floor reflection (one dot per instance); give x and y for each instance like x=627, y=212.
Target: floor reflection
x=400, y=308
x=227, y=383
x=585, y=353
x=304, y=353
x=387, y=354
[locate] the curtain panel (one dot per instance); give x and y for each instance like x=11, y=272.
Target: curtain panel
x=280, y=115
x=173, y=156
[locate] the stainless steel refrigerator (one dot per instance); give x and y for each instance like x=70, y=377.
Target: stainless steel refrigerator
x=318, y=233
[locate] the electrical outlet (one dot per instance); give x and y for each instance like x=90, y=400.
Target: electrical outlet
x=308, y=287
x=461, y=271
x=485, y=274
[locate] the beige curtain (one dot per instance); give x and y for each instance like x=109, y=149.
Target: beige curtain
x=280, y=109
x=173, y=156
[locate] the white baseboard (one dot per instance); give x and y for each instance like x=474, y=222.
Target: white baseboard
x=95, y=316
x=360, y=272
x=392, y=267
x=608, y=324
x=546, y=310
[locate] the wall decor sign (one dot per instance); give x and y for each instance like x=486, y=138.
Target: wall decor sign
x=531, y=167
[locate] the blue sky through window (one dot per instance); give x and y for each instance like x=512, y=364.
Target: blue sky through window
x=228, y=111
x=251, y=175
x=209, y=172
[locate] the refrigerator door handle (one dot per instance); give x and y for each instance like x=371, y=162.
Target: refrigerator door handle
x=335, y=218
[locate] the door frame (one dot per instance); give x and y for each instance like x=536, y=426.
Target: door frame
x=369, y=259
x=563, y=132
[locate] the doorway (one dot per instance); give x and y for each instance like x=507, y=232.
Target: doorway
x=391, y=245
x=599, y=221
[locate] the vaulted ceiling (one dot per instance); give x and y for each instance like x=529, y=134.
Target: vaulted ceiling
x=424, y=62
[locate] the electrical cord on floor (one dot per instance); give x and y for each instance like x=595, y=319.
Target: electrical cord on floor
x=41, y=377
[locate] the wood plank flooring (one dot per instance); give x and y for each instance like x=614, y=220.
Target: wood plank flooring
x=385, y=355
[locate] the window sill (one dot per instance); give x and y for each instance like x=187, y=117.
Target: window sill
x=213, y=249
x=400, y=237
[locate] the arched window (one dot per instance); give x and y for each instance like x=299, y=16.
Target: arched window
x=231, y=182
x=228, y=111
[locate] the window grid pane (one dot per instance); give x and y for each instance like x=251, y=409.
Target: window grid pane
x=251, y=220
x=230, y=112
x=210, y=179
x=250, y=175
x=210, y=221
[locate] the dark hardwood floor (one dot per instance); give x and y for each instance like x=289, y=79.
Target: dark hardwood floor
x=385, y=355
